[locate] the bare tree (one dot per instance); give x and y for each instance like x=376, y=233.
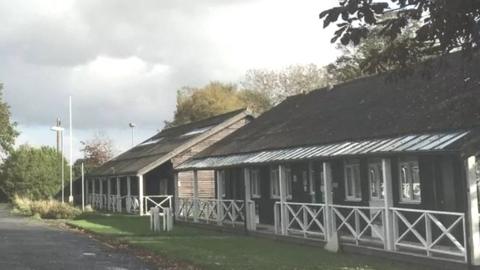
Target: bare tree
x=293, y=80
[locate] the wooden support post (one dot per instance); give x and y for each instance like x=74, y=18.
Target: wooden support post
x=109, y=191
x=175, y=195
x=388, y=197
x=87, y=192
x=101, y=193
x=328, y=197
x=249, y=215
x=196, y=204
x=219, y=181
x=140, y=193
x=94, y=196
x=118, y=201
x=472, y=212
x=129, y=186
x=128, y=199
x=283, y=198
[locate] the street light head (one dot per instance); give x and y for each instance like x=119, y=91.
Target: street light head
x=132, y=125
x=55, y=128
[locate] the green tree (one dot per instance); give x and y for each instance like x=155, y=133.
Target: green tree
x=32, y=172
x=365, y=59
x=8, y=131
x=443, y=26
x=215, y=98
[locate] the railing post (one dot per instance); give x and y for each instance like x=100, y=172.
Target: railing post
x=388, y=197
x=196, y=205
x=328, y=200
x=428, y=233
x=472, y=212
x=220, y=188
x=140, y=193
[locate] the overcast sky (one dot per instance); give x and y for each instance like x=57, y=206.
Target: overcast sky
x=122, y=60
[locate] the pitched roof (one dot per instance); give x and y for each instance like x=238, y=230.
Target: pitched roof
x=366, y=108
x=160, y=145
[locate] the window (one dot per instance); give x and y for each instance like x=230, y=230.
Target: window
x=255, y=183
x=375, y=177
x=275, y=183
x=353, y=189
x=289, y=178
x=410, y=190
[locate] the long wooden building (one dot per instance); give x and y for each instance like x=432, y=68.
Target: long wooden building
x=372, y=163
x=142, y=177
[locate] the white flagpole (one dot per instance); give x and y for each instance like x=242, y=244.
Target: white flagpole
x=70, y=198
x=83, y=185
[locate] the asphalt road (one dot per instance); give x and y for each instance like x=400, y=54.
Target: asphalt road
x=31, y=244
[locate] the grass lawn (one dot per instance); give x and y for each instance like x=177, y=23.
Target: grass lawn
x=214, y=250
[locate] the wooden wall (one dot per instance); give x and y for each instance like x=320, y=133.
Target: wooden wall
x=206, y=184
x=206, y=178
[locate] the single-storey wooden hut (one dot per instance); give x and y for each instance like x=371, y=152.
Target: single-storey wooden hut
x=384, y=165
x=142, y=177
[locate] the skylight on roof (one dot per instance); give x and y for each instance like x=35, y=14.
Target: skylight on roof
x=152, y=141
x=196, y=131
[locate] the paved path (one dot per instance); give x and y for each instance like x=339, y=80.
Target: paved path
x=30, y=244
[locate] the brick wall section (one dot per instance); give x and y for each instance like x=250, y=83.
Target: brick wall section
x=206, y=179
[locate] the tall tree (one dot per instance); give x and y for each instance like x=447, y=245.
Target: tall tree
x=215, y=98
x=363, y=60
x=31, y=172
x=444, y=26
x=8, y=131
x=279, y=84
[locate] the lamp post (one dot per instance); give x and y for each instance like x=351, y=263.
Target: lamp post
x=132, y=126
x=59, y=130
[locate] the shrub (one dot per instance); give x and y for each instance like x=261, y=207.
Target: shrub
x=48, y=209
x=31, y=172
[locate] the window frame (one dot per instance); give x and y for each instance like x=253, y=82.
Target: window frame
x=354, y=165
x=380, y=185
x=409, y=161
x=274, y=182
x=255, y=189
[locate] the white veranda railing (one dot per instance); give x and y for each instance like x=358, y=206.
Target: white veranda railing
x=184, y=208
x=212, y=210
x=436, y=233
x=132, y=204
x=302, y=219
x=359, y=224
x=160, y=201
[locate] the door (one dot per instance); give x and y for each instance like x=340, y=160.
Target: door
x=377, y=197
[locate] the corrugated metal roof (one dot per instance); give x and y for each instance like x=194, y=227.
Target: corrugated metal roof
x=406, y=143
